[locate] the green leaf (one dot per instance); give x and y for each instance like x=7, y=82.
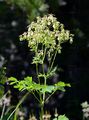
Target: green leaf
x=37, y=86
x=47, y=88
x=62, y=117
x=28, y=80
x=51, y=72
x=68, y=85
x=61, y=86
x=22, y=84
x=12, y=80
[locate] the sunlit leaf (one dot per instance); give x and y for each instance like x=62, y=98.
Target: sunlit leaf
x=47, y=88
x=62, y=117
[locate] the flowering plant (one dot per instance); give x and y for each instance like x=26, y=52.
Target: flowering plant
x=44, y=37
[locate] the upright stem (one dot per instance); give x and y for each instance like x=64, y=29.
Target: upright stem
x=43, y=95
x=42, y=111
x=53, y=59
x=50, y=96
x=37, y=72
x=3, y=110
x=42, y=103
x=45, y=80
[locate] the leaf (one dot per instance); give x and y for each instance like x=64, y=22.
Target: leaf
x=62, y=117
x=28, y=80
x=52, y=72
x=68, y=85
x=20, y=87
x=12, y=80
x=12, y=83
x=48, y=88
x=37, y=86
x=22, y=84
x=61, y=86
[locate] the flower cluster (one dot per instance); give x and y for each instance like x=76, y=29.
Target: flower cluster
x=45, y=35
x=85, y=109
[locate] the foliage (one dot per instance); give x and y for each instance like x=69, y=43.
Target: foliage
x=44, y=37
x=2, y=80
x=28, y=84
x=32, y=8
x=2, y=75
x=61, y=117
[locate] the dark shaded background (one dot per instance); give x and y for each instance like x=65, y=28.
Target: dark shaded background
x=74, y=59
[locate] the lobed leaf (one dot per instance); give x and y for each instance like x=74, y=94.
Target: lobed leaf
x=47, y=89
x=62, y=117
x=61, y=86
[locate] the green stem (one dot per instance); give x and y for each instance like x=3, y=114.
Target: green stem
x=3, y=110
x=43, y=98
x=20, y=102
x=37, y=72
x=8, y=110
x=51, y=56
x=44, y=93
x=39, y=83
x=50, y=96
x=53, y=59
x=45, y=82
x=44, y=54
x=42, y=111
x=36, y=97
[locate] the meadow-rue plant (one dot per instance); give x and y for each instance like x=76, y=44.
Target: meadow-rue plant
x=44, y=36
